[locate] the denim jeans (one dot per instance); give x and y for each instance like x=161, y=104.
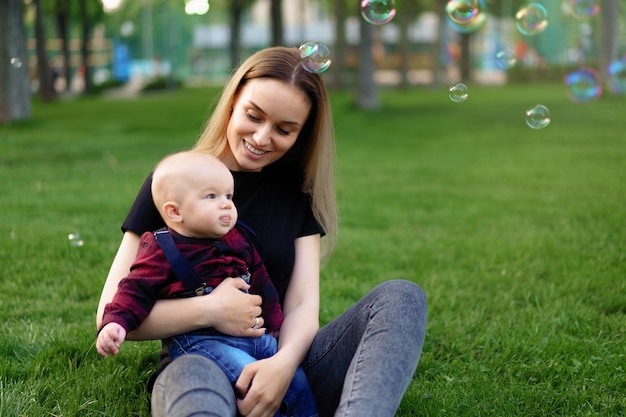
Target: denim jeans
x=232, y=354
x=359, y=365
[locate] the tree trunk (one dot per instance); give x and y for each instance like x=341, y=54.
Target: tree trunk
x=367, y=96
x=439, y=69
x=277, y=22
x=62, y=17
x=338, y=66
x=14, y=77
x=236, y=10
x=85, y=26
x=465, y=60
x=610, y=32
x=404, y=45
x=44, y=74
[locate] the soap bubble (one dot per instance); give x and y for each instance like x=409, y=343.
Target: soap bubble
x=75, y=239
x=583, y=85
x=531, y=19
x=16, y=62
x=505, y=58
x=315, y=57
x=458, y=93
x=307, y=49
x=378, y=12
x=465, y=16
x=617, y=76
x=538, y=117
x=584, y=9
x=462, y=11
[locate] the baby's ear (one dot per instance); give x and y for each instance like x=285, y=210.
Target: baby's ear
x=171, y=212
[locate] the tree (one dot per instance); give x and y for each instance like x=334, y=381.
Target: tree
x=367, y=94
x=236, y=11
x=465, y=57
x=44, y=74
x=340, y=44
x=90, y=12
x=85, y=30
x=404, y=44
x=435, y=50
x=14, y=77
x=62, y=10
x=610, y=32
x=276, y=10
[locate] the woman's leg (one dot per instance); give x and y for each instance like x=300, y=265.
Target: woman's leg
x=361, y=363
x=193, y=386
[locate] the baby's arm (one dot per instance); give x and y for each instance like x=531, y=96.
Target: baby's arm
x=110, y=339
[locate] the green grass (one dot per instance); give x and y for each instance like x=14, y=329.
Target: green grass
x=518, y=237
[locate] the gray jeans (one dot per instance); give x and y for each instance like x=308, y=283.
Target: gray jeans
x=359, y=365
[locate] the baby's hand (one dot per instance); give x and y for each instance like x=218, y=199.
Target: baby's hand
x=110, y=339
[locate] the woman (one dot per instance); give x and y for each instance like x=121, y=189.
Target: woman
x=272, y=127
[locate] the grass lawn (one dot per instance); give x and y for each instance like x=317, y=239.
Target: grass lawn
x=518, y=237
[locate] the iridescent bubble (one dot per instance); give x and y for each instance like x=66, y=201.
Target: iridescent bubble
x=465, y=16
x=505, y=58
x=584, y=9
x=16, y=62
x=531, y=19
x=458, y=93
x=307, y=49
x=378, y=12
x=583, y=85
x=462, y=11
x=318, y=61
x=538, y=117
x=75, y=239
x=617, y=76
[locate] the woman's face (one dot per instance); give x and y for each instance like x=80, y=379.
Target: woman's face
x=266, y=120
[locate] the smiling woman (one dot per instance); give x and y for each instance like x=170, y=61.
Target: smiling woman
x=272, y=127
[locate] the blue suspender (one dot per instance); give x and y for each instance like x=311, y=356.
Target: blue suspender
x=190, y=278
x=185, y=272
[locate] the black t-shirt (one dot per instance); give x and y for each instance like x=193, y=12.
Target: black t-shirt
x=269, y=202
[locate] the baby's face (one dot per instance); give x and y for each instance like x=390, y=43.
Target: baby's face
x=207, y=209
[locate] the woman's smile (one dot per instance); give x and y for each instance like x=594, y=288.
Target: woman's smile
x=253, y=149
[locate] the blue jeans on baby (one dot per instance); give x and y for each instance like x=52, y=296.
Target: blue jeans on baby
x=232, y=354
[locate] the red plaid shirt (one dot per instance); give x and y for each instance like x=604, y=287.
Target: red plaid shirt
x=151, y=276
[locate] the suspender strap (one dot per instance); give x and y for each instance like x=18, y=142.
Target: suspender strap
x=185, y=272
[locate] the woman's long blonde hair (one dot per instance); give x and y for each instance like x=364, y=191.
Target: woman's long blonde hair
x=313, y=154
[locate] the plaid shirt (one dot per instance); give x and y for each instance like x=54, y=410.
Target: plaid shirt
x=151, y=276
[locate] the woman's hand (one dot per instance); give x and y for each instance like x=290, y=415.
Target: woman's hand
x=234, y=312
x=262, y=386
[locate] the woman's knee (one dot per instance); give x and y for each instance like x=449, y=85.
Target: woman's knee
x=192, y=383
x=406, y=294
x=403, y=303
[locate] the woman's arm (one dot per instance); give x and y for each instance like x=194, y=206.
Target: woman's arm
x=227, y=308
x=302, y=302
x=119, y=269
x=265, y=382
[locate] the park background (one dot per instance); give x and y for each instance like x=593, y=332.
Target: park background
x=516, y=234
